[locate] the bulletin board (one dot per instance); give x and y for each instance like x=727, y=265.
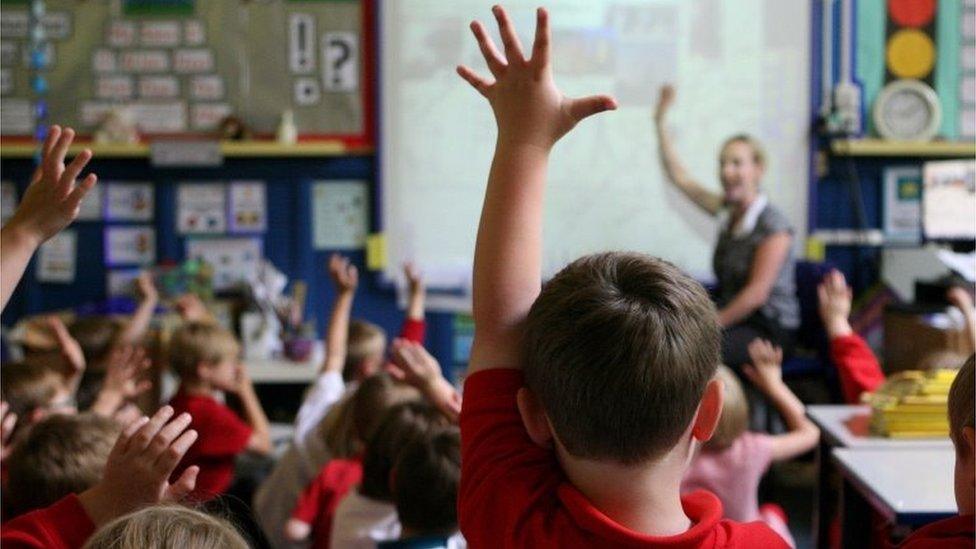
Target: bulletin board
x=180, y=66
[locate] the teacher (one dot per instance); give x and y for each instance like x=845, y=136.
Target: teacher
x=753, y=260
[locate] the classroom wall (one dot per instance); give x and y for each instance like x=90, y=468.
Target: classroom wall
x=287, y=242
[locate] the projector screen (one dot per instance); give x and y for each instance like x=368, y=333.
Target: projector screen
x=738, y=67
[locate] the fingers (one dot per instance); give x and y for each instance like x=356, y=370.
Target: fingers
x=822, y=292
x=169, y=432
x=140, y=388
x=476, y=81
x=53, y=136
x=54, y=163
x=588, y=106
x=750, y=372
x=183, y=485
x=77, y=195
x=396, y=372
x=513, y=48
x=543, y=37
x=170, y=458
x=67, y=180
x=488, y=50
x=145, y=435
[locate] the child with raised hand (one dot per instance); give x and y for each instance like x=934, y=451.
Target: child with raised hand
x=588, y=446
x=50, y=203
x=207, y=359
x=166, y=527
x=136, y=475
x=732, y=463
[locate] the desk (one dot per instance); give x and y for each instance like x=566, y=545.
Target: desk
x=286, y=371
x=910, y=487
x=846, y=426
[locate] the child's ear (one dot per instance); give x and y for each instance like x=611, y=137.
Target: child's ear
x=534, y=418
x=709, y=411
x=203, y=371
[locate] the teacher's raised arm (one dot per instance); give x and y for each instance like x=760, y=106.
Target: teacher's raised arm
x=753, y=259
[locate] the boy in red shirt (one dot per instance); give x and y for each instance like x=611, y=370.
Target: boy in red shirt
x=957, y=531
x=206, y=358
x=586, y=398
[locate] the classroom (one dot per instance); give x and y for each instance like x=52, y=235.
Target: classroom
x=424, y=274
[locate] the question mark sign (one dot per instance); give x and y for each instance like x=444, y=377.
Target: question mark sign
x=339, y=61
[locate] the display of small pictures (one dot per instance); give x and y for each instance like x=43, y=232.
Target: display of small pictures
x=201, y=208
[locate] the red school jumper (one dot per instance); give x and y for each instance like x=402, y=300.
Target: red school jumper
x=63, y=525
x=514, y=494
x=317, y=504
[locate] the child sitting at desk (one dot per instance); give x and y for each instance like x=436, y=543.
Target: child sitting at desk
x=857, y=366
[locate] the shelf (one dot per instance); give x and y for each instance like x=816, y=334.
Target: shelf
x=230, y=149
x=881, y=147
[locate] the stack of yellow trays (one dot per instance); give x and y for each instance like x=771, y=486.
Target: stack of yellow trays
x=912, y=404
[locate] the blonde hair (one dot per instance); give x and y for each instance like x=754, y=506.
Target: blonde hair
x=366, y=340
x=962, y=413
x=734, y=419
x=164, y=527
x=197, y=342
x=758, y=151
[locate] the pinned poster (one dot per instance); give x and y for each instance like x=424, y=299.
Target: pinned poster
x=340, y=61
x=340, y=215
x=248, y=207
x=130, y=202
x=57, y=258
x=92, y=205
x=8, y=201
x=234, y=260
x=130, y=246
x=201, y=208
x=121, y=282
x=301, y=43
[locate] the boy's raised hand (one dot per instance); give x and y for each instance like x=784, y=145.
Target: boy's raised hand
x=766, y=369
x=529, y=108
x=415, y=280
x=835, y=298
x=413, y=365
x=147, y=287
x=664, y=101
x=53, y=197
x=125, y=365
x=139, y=466
x=69, y=347
x=344, y=275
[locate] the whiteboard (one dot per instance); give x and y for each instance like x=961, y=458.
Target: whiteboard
x=739, y=66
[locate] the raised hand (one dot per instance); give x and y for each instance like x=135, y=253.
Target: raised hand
x=126, y=364
x=344, y=274
x=529, y=108
x=147, y=287
x=69, y=347
x=834, y=296
x=139, y=466
x=191, y=309
x=766, y=369
x=415, y=280
x=413, y=365
x=664, y=102
x=53, y=197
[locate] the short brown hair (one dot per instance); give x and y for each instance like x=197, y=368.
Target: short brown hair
x=365, y=340
x=619, y=348
x=425, y=482
x=352, y=421
x=165, y=526
x=28, y=387
x=60, y=455
x=758, y=151
x=401, y=425
x=194, y=343
x=734, y=419
x=962, y=408
x=96, y=335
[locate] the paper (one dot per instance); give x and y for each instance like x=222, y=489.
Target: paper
x=903, y=205
x=8, y=53
x=121, y=282
x=130, y=201
x=248, y=207
x=16, y=117
x=91, y=206
x=201, y=208
x=8, y=201
x=57, y=258
x=193, y=60
x=57, y=25
x=159, y=87
x=376, y=252
x=340, y=214
x=120, y=34
x=340, y=61
x=114, y=87
x=307, y=91
x=207, y=116
x=964, y=264
x=233, y=259
x=207, y=87
x=130, y=246
x=104, y=60
x=194, y=33
x=14, y=24
x=145, y=61
x=301, y=42
x=156, y=117
x=949, y=200
x=163, y=34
